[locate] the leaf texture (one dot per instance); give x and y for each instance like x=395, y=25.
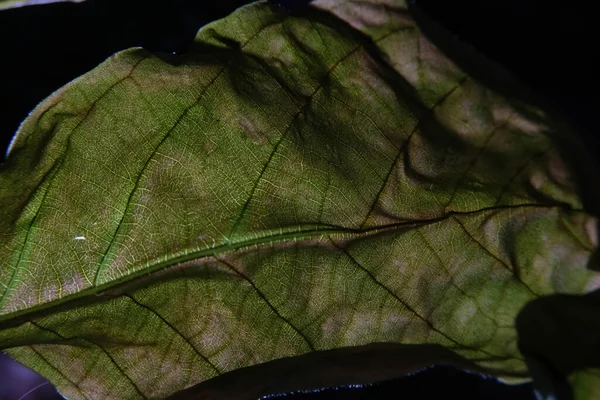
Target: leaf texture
x=295, y=183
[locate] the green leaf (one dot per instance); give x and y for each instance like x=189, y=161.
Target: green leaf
x=296, y=183
x=5, y=4
x=586, y=383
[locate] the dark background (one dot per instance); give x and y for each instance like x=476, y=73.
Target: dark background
x=552, y=49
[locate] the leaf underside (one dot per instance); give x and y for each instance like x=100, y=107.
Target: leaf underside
x=294, y=183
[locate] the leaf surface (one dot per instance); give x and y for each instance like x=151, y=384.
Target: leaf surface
x=295, y=183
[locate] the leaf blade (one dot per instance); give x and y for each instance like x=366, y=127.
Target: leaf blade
x=287, y=169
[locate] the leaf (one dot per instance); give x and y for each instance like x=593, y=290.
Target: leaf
x=586, y=383
x=297, y=183
x=5, y=4
x=376, y=361
x=560, y=338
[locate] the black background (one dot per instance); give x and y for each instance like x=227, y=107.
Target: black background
x=551, y=49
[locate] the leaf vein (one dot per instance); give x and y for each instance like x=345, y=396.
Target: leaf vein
x=93, y=342
x=174, y=329
x=264, y=298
